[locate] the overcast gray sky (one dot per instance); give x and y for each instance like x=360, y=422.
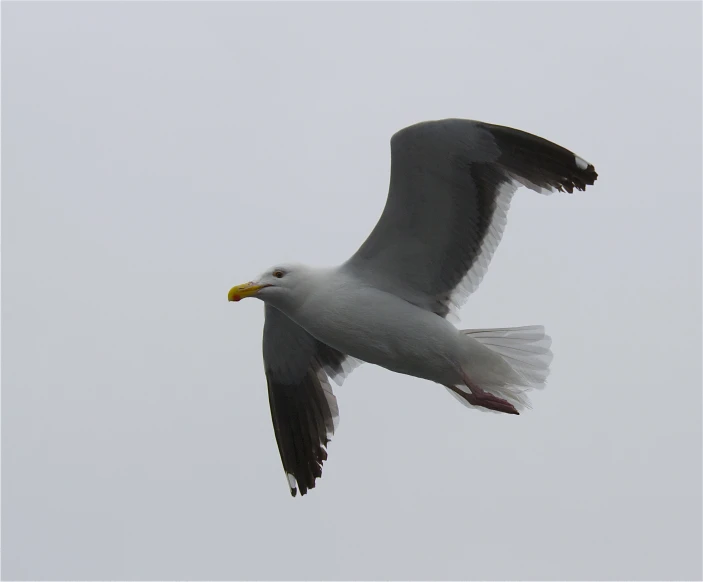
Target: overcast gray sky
x=156, y=154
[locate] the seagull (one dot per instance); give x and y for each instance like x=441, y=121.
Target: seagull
x=391, y=303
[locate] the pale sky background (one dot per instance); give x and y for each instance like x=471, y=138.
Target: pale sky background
x=156, y=154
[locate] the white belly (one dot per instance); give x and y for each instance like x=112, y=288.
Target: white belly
x=381, y=329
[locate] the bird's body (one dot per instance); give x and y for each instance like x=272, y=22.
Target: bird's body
x=379, y=328
x=450, y=189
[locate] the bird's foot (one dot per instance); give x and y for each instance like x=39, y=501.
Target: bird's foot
x=480, y=397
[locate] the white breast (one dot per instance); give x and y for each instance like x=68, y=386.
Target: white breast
x=382, y=329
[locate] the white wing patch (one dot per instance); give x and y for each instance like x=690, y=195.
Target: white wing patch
x=322, y=376
x=490, y=243
x=581, y=164
x=478, y=269
x=348, y=366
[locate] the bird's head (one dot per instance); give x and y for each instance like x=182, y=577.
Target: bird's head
x=277, y=285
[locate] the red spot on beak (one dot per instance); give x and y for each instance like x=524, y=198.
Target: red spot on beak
x=236, y=298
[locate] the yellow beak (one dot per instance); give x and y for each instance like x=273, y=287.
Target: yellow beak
x=247, y=290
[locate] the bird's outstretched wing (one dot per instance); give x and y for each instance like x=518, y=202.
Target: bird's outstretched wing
x=450, y=189
x=303, y=407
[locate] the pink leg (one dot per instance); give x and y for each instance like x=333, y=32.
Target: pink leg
x=479, y=397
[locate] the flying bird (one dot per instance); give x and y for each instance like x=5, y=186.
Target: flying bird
x=450, y=188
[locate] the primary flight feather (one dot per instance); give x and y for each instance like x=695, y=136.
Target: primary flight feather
x=450, y=189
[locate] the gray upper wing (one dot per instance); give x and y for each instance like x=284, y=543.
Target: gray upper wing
x=303, y=407
x=450, y=189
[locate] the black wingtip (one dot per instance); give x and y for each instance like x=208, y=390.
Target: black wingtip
x=590, y=176
x=581, y=176
x=542, y=163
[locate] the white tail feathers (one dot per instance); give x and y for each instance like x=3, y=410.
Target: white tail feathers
x=508, y=362
x=525, y=349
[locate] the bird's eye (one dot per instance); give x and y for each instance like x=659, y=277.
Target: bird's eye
x=278, y=274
